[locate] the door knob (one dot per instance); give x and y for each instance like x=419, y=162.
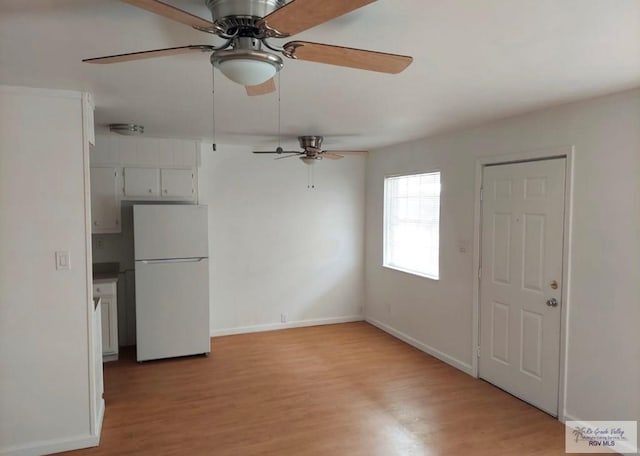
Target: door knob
x=552, y=302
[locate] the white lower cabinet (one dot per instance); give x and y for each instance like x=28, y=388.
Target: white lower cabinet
x=106, y=289
x=97, y=363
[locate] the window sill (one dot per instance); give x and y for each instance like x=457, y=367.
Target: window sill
x=409, y=271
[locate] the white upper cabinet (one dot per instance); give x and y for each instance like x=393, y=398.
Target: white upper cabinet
x=105, y=201
x=150, y=169
x=105, y=152
x=178, y=183
x=141, y=183
x=125, y=151
x=87, y=118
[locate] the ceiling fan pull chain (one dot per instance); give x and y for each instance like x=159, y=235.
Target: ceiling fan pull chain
x=279, y=119
x=310, y=184
x=213, y=105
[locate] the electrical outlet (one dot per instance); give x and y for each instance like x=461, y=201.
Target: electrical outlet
x=99, y=244
x=283, y=318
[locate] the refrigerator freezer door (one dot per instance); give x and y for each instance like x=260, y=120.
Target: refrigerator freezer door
x=170, y=231
x=172, y=308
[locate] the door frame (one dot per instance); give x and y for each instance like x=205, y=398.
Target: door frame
x=567, y=153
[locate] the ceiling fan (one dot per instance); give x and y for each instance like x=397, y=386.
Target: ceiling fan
x=312, y=151
x=246, y=57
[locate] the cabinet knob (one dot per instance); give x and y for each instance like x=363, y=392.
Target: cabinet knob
x=165, y=190
x=98, y=289
x=150, y=191
x=116, y=221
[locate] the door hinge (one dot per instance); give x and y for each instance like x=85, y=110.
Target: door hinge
x=481, y=193
x=480, y=272
x=478, y=352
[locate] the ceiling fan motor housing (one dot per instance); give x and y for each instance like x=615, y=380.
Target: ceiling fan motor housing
x=314, y=142
x=241, y=14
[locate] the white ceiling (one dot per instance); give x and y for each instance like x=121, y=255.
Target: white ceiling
x=474, y=60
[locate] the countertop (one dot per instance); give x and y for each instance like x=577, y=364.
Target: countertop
x=105, y=277
x=104, y=272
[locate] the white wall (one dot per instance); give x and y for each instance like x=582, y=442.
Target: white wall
x=603, y=373
x=277, y=247
x=44, y=358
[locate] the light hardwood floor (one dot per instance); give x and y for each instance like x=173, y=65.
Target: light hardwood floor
x=346, y=389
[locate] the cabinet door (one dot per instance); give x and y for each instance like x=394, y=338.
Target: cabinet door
x=97, y=361
x=142, y=183
x=105, y=204
x=178, y=183
x=109, y=325
x=87, y=117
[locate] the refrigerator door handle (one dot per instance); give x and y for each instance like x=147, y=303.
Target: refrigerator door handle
x=174, y=260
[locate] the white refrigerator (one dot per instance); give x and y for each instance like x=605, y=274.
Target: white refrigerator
x=172, y=280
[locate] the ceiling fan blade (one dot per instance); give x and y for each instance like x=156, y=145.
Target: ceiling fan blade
x=331, y=156
x=300, y=15
x=347, y=152
x=149, y=54
x=289, y=156
x=171, y=12
x=261, y=89
x=348, y=57
x=277, y=152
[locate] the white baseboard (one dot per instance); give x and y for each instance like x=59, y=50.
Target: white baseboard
x=58, y=445
x=100, y=420
x=288, y=325
x=52, y=446
x=461, y=365
x=110, y=357
x=567, y=417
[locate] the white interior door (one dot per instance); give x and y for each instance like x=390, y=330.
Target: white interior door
x=521, y=279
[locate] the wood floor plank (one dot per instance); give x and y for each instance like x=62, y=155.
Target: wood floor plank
x=347, y=389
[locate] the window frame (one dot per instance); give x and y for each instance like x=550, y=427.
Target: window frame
x=385, y=221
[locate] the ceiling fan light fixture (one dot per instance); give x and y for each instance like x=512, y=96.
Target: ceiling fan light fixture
x=309, y=160
x=249, y=68
x=126, y=129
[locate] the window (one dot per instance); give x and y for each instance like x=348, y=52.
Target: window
x=412, y=224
